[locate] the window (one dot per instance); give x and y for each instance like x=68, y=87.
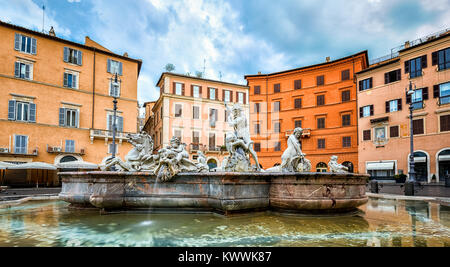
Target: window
x=321, y=143
x=346, y=120
x=20, y=144
x=297, y=84
x=73, y=56
x=212, y=93
x=394, y=131
x=70, y=146
x=71, y=80
x=196, y=91
x=111, y=148
x=257, y=90
x=320, y=100
x=346, y=141
x=257, y=128
x=195, y=112
x=25, y=44
x=442, y=91
x=418, y=127
x=366, y=111
x=178, y=88
x=442, y=59
x=257, y=147
x=345, y=75
x=393, y=76
x=365, y=84
x=21, y=111
x=417, y=98
x=226, y=96
x=212, y=141
x=320, y=80
x=178, y=110
x=393, y=105
x=445, y=123
x=366, y=135
x=298, y=103
x=257, y=107
x=298, y=124
x=414, y=66
x=196, y=138
x=23, y=70
x=276, y=106
x=241, y=98
x=345, y=96
x=277, y=146
x=276, y=88
x=213, y=117
x=114, y=88
x=321, y=167
x=276, y=127
x=114, y=67
x=320, y=123
x=119, y=123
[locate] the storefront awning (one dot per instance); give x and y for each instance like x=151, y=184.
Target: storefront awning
x=420, y=159
x=444, y=158
x=380, y=166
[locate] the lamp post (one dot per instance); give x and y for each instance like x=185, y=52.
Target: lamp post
x=114, y=84
x=409, y=184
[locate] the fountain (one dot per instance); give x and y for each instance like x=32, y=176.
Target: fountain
x=184, y=185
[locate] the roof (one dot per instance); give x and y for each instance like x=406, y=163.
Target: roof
x=197, y=78
x=429, y=40
x=365, y=53
x=379, y=65
x=44, y=35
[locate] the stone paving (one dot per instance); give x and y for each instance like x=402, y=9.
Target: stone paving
x=17, y=193
x=426, y=190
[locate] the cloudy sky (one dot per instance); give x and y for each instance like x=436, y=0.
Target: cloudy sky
x=234, y=37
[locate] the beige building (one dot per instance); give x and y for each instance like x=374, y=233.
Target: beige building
x=384, y=125
x=193, y=109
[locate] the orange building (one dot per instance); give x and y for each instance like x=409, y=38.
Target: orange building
x=56, y=98
x=320, y=98
x=384, y=124
x=193, y=109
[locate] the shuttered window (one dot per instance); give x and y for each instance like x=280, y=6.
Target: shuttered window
x=345, y=75
x=442, y=59
x=320, y=100
x=114, y=88
x=276, y=88
x=119, y=123
x=418, y=127
x=321, y=143
x=367, y=135
x=178, y=88
x=365, y=84
x=196, y=112
x=21, y=111
x=298, y=103
x=25, y=44
x=346, y=120
x=74, y=56
x=297, y=84
x=70, y=146
x=23, y=70
x=394, y=131
x=226, y=96
x=20, y=144
x=68, y=117
x=320, y=80
x=346, y=141
x=298, y=124
x=114, y=67
x=257, y=90
x=345, y=96
x=71, y=80
x=366, y=111
x=414, y=66
x=392, y=76
x=445, y=123
x=320, y=123
x=195, y=91
x=276, y=106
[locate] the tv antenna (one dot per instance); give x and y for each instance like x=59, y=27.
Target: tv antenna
x=43, y=18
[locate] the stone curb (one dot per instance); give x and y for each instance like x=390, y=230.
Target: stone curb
x=12, y=203
x=401, y=197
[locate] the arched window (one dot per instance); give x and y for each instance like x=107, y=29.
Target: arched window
x=68, y=159
x=421, y=166
x=349, y=165
x=444, y=164
x=321, y=167
x=212, y=163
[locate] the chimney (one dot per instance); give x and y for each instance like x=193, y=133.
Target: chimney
x=407, y=44
x=52, y=32
x=259, y=73
x=327, y=59
x=125, y=54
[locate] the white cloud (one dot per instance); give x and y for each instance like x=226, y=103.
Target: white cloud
x=28, y=14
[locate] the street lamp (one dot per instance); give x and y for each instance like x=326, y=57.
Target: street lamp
x=114, y=84
x=409, y=184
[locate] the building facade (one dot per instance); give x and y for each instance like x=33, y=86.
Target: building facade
x=384, y=125
x=193, y=109
x=321, y=99
x=56, y=98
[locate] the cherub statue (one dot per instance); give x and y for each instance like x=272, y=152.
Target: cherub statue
x=334, y=166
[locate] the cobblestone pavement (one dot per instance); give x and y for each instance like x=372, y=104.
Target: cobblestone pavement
x=17, y=193
x=426, y=190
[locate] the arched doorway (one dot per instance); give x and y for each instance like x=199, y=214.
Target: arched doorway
x=212, y=164
x=349, y=165
x=443, y=159
x=68, y=159
x=421, y=166
x=321, y=167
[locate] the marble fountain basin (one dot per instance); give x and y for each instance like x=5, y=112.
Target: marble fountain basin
x=219, y=192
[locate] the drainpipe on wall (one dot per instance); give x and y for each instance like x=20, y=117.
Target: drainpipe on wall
x=93, y=93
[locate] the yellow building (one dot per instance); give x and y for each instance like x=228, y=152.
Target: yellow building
x=56, y=98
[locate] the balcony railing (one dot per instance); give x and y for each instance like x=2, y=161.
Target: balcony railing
x=19, y=152
x=106, y=134
x=60, y=150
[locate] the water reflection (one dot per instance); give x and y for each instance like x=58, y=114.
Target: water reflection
x=379, y=223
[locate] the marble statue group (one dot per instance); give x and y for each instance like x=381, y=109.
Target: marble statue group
x=174, y=158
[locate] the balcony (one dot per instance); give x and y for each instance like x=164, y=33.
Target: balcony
x=25, y=153
x=107, y=135
x=60, y=150
x=306, y=133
